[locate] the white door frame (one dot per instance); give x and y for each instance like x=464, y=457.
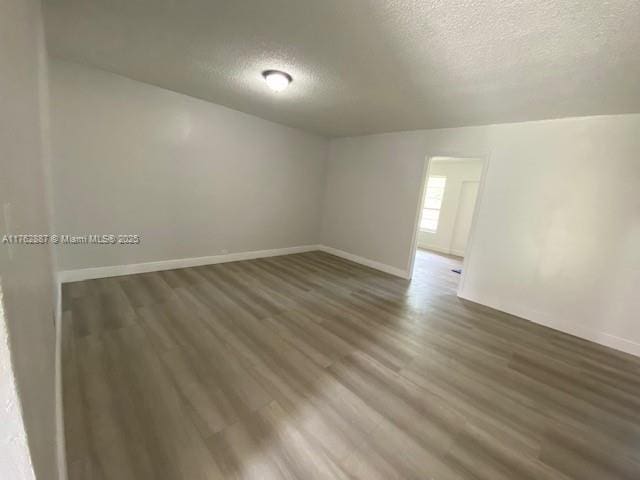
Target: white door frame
x=416, y=225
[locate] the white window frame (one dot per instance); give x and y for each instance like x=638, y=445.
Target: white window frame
x=424, y=201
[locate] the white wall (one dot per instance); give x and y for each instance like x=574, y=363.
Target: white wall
x=558, y=225
x=373, y=188
x=456, y=171
x=192, y=178
x=27, y=294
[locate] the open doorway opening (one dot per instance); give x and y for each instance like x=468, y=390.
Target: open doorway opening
x=446, y=214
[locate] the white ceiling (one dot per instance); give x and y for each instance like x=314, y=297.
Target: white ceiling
x=367, y=66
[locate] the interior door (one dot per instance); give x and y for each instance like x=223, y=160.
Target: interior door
x=464, y=216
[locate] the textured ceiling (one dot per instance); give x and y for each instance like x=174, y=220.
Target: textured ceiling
x=366, y=66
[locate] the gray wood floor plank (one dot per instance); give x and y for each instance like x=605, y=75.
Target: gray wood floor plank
x=309, y=366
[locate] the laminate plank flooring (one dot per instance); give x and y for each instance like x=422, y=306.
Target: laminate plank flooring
x=309, y=366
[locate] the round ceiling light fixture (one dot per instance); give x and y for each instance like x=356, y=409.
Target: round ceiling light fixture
x=276, y=79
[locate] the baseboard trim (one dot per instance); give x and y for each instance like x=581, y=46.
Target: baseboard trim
x=435, y=248
x=383, y=267
x=66, y=276
x=446, y=251
x=61, y=450
x=541, y=318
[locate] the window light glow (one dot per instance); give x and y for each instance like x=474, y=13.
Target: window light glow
x=432, y=203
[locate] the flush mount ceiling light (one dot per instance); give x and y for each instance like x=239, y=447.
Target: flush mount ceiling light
x=276, y=79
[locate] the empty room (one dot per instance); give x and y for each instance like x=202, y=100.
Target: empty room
x=320, y=239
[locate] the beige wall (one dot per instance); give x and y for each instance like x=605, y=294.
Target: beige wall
x=558, y=222
x=27, y=315
x=192, y=178
x=456, y=172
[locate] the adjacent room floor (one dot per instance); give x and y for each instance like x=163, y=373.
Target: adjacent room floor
x=309, y=366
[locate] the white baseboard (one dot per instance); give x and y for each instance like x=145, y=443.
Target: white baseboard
x=66, y=276
x=435, y=248
x=446, y=251
x=61, y=451
x=541, y=318
x=383, y=267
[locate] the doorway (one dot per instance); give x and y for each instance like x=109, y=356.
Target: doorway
x=446, y=211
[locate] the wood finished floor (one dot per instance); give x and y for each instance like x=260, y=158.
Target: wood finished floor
x=311, y=367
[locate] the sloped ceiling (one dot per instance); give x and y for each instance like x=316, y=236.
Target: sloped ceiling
x=368, y=66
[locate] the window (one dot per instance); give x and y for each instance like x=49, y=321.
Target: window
x=432, y=203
